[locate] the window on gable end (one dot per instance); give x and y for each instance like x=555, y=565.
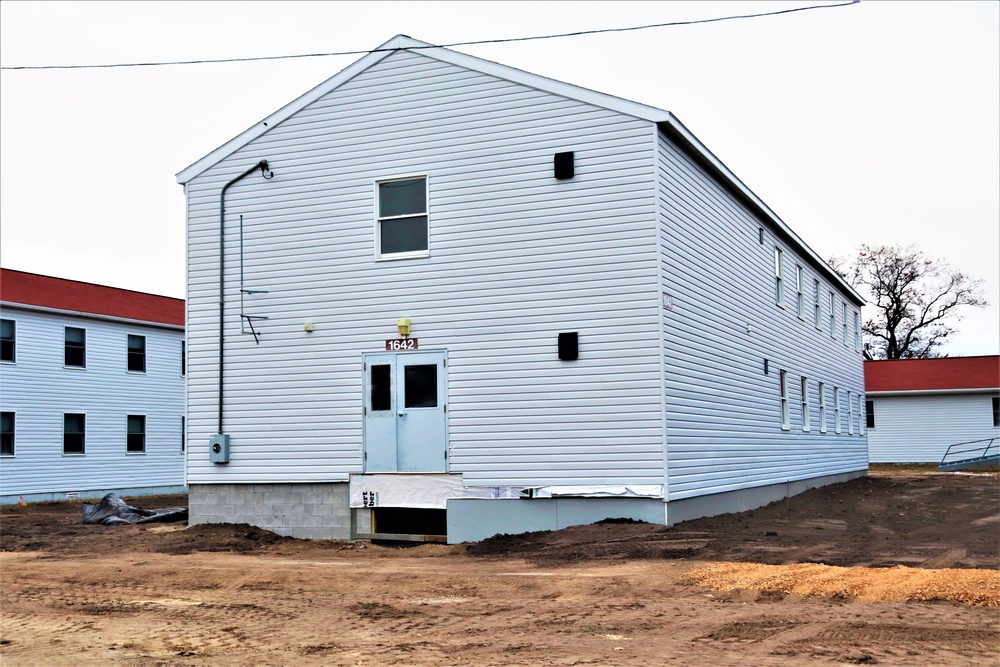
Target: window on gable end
x=402, y=225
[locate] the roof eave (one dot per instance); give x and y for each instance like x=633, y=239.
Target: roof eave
x=674, y=128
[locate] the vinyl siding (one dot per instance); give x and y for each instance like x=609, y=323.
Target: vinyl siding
x=39, y=389
x=722, y=411
x=919, y=429
x=515, y=258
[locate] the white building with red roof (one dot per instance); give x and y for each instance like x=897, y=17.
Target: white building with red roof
x=91, y=390
x=917, y=408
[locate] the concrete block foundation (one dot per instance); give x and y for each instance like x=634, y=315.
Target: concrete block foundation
x=316, y=511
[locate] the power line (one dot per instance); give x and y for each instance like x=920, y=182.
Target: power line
x=436, y=46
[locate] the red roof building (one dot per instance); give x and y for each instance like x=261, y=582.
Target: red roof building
x=75, y=297
x=933, y=375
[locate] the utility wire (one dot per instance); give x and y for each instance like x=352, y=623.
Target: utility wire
x=437, y=46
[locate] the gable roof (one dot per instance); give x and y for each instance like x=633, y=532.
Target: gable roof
x=938, y=374
x=79, y=298
x=665, y=121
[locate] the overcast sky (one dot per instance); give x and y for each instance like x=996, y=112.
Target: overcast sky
x=877, y=122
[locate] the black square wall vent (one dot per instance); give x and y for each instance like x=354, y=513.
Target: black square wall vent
x=563, y=165
x=569, y=347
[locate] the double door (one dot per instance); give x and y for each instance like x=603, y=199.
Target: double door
x=405, y=412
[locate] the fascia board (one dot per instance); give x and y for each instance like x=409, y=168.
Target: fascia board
x=282, y=114
x=723, y=171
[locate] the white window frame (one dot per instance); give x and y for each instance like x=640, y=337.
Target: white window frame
x=843, y=308
x=837, y=428
x=804, y=386
x=817, y=308
x=870, y=413
x=82, y=366
x=414, y=254
x=13, y=434
x=862, y=414
x=833, y=317
x=857, y=331
x=822, y=407
x=12, y=339
x=139, y=452
x=779, y=288
x=799, y=297
x=84, y=452
x=850, y=413
x=128, y=354
x=783, y=393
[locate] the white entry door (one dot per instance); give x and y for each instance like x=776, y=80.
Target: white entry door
x=405, y=421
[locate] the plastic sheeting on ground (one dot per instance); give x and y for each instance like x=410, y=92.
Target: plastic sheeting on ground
x=113, y=510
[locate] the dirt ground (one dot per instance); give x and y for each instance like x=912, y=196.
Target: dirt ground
x=899, y=568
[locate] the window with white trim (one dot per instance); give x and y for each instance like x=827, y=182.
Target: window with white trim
x=817, y=310
x=135, y=436
x=996, y=411
x=8, y=340
x=850, y=414
x=799, y=298
x=184, y=359
x=75, y=347
x=401, y=227
x=857, y=331
x=804, y=386
x=783, y=390
x=833, y=318
x=836, y=410
x=74, y=433
x=6, y=434
x=870, y=414
x=136, y=353
x=843, y=318
x=778, y=289
x=822, y=407
x=862, y=414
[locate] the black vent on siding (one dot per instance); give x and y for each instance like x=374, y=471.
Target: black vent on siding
x=563, y=165
x=569, y=347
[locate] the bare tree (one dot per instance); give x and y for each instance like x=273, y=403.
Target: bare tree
x=915, y=297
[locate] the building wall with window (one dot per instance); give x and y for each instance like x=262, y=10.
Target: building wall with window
x=750, y=304
x=920, y=407
x=426, y=185
x=83, y=410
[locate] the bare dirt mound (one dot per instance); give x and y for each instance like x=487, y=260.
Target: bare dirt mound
x=924, y=520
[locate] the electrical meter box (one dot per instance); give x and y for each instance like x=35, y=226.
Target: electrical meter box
x=218, y=449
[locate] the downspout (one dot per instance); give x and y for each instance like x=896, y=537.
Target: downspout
x=262, y=165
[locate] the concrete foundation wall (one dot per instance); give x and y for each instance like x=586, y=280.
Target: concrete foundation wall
x=475, y=519
x=309, y=510
x=747, y=499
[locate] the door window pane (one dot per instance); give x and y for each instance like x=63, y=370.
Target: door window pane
x=420, y=385
x=381, y=387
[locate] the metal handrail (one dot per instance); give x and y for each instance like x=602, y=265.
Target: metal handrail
x=964, y=453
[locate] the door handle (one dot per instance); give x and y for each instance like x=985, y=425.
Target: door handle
x=401, y=414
